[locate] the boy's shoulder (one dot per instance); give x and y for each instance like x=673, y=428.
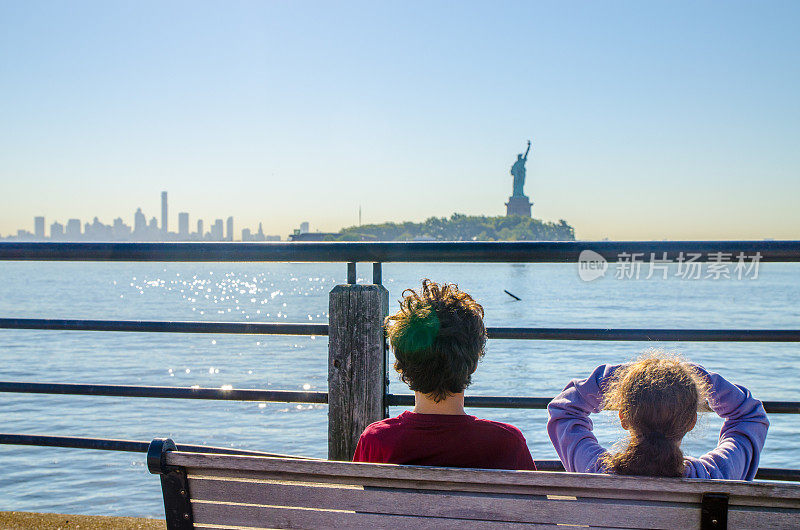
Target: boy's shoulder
x=381, y=426
x=498, y=425
x=501, y=429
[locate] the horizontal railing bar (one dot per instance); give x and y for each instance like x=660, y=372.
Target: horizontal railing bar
x=289, y=396
x=515, y=402
x=774, y=473
x=233, y=394
x=395, y=251
x=549, y=465
x=152, y=326
x=268, y=328
x=782, y=407
x=134, y=446
x=656, y=334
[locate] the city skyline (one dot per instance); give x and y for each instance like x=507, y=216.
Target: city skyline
x=657, y=120
x=142, y=229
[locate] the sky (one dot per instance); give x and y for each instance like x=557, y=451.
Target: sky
x=649, y=120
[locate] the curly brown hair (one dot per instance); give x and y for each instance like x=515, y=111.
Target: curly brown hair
x=438, y=337
x=659, y=396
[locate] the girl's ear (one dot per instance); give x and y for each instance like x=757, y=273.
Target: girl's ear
x=624, y=422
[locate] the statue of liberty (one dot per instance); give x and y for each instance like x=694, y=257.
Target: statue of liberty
x=518, y=172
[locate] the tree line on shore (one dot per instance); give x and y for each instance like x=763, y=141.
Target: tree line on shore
x=460, y=227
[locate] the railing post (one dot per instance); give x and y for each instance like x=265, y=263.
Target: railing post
x=356, y=364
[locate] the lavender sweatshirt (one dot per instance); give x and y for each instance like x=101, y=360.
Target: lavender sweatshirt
x=735, y=457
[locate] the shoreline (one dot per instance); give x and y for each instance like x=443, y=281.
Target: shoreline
x=59, y=521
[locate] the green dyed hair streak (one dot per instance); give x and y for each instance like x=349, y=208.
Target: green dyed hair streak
x=419, y=334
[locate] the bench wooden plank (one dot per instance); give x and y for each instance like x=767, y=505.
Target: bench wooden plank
x=488, y=480
x=495, y=507
x=248, y=516
x=253, y=476
x=607, y=493
x=758, y=519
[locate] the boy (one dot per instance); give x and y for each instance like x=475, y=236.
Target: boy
x=438, y=337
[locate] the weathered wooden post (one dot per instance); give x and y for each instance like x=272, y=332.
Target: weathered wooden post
x=356, y=363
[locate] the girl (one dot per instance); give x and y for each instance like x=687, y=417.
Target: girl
x=658, y=397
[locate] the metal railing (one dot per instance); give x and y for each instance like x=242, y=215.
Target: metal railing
x=269, y=328
x=130, y=446
x=386, y=252
x=534, y=252
x=289, y=396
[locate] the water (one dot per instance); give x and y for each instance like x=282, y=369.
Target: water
x=111, y=483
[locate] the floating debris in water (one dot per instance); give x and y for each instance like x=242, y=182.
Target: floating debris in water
x=515, y=297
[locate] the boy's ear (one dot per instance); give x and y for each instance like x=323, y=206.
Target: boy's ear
x=623, y=421
x=694, y=422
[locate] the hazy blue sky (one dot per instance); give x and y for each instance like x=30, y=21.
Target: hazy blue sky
x=650, y=120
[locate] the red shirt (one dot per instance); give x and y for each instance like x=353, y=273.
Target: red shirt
x=444, y=440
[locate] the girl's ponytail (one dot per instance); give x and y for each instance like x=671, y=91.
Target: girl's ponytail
x=658, y=396
x=650, y=454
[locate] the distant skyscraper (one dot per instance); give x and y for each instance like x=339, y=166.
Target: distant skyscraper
x=120, y=231
x=304, y=228
x=56, y=231
x=73, y=229
x=246, y=234
x=153, y=231
x=183, y=225
x=164, y=219
x=229, y=229
x=38, y=227
x=200, y=229
x=139, y=223
x=97, y=231
x=216, y=230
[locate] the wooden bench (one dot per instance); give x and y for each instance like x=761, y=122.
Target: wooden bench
x=229, y=491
